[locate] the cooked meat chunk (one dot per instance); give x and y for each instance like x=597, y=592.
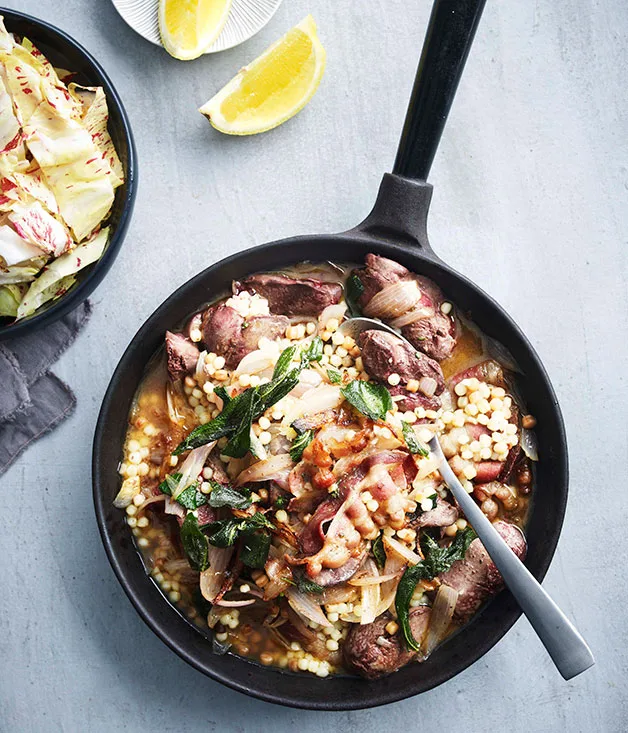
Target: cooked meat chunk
x=257, y=327
x=334, y=576
x=434, y=336
x=378, y=273
x=181, y=353
x=442, y=515
x=384, y=354
x=432, y=332
x=228, y=334
x=291, y=296
x=364, y=655
x=476, y=578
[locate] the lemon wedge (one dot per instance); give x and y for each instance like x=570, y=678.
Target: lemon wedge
x=189, y=27
x=273, y=88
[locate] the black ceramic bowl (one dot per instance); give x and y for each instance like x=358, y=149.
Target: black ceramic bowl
x=64, y=52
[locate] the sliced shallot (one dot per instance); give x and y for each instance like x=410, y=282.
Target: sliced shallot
x=428, y=386
x=265, y=470
x=305, y=606
x=236, y=604
x=394, y=300
x=192, y=467
x=401, y=550
x=440, y=618
x=212, y=578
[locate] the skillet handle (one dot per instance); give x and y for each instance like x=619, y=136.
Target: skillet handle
x=447, y=43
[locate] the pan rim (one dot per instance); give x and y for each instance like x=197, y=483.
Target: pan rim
x=370, y=696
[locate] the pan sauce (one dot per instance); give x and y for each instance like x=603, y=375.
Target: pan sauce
x=255, y=631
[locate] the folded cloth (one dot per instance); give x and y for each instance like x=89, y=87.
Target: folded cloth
x=32, y=400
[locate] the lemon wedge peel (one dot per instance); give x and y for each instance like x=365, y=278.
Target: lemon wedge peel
x=189, y=27
x=274, y=87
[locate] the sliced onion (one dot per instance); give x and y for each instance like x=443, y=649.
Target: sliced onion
x=426, y=466
x=236, y=604
x=174, y=508
x=529, y=444
x=308, y=379
x=173, y=414
x=339, y=594
x=213, y=617
x=200, y=372
x=277, y=571
x=440, y=619
x=255, y=362
x=372, y=580
x=394, y=566
x=370, y=594
x=394, y=300
x=416, y=314
x=212, y=579
x=401, y=550
x=305, y=606
x=192, y=467
x=319, y=399
x=336, y=311
x=428, y=386
x=151, y=500
x=266, y=470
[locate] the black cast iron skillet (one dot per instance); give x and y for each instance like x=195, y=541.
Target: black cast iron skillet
x=64, y=52
x=396, y=228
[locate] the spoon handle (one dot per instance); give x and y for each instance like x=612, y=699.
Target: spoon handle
x=568, y=650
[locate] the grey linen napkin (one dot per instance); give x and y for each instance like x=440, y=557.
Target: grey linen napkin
x=32, y=400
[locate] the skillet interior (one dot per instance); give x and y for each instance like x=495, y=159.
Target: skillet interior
x=336, y=693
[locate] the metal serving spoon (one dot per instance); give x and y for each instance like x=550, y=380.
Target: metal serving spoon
x=568, y=650
x=355, y=326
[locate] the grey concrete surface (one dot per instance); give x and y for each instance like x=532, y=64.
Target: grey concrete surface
x=530, y=201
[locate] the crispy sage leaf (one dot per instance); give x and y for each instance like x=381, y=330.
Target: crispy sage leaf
x=370, y=398
x=194, y=543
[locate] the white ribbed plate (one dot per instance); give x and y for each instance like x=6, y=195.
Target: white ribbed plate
x=246, y=18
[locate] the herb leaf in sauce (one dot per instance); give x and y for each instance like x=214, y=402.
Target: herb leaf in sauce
x=299, y=444
x=414, y=444
x=238, y=413
x=304, y=584
x=437, y=560
x=283, y=363
x=224, y=532
x=371, y=399
x=194, y=543
x=335, y=377
x=254, y=549
x=222, y=495
x=377, y=548
x=313, y=352
x=192, y=498
x=440, y=559
x=170, y=483
x=353, y=291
